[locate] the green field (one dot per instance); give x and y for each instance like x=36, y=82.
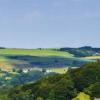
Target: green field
x=35, y=52
x=92, y=57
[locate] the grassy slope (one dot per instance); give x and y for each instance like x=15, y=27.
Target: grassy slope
x=43, y=54
x=34, y=52
x=6, y=63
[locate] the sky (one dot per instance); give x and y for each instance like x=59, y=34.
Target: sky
x=49, y=23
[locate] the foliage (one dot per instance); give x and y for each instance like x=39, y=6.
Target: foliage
x=76, y=83
x=93, y=90
x=55, y=87
x=10, y=79
x=86, y=75
x=82, y=51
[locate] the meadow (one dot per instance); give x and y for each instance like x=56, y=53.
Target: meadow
x=35, y=52
x=92, y=57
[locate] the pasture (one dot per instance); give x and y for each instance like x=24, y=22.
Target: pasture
x=92, y=57
x=35, y=52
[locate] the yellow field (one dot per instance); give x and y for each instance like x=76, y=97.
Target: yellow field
x=6, y=67
x=58, y=70
x=92, y=57
x=82, y=96
x=55, y=70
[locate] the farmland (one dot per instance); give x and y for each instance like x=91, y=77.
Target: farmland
x=92, y=57
x=35, y=52
x=21, y=66
x=41, y=58
x=28, y=64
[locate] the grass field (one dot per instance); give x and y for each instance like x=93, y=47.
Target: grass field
x=92, y=57
x=35, y=52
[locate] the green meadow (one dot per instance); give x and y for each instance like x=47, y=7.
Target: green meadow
x=35, y=52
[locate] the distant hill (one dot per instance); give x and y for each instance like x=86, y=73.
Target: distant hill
x=82, y=51
x=20, y=66
x=2, y=48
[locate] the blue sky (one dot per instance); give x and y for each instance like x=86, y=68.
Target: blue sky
x=49, y=23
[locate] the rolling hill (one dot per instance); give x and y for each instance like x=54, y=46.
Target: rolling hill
x=45, y=58
x=19, y=66
x=23, y=57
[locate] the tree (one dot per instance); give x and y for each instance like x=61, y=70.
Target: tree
x=19, y=70
x=44, y=70
x=93, y=90
x=86, y=75
x=39, y=98
x=14, y=70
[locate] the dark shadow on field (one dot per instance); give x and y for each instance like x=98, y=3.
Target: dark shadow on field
x=44, y=61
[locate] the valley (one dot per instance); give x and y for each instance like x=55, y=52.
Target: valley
x=26, y=66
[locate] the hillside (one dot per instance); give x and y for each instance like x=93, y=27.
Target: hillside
x=42, y=58
x=83, y=51
x=35, y=52
x=19, y=66
x=77, y=83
